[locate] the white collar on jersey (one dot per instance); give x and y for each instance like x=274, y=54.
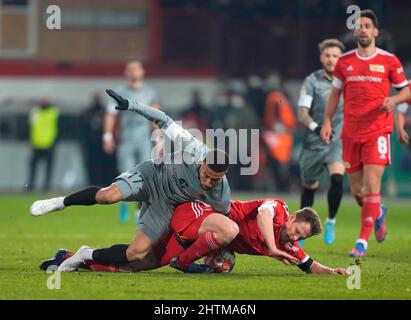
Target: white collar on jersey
x=367, y=58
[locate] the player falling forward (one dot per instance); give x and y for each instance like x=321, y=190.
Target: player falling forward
x=258, y=227
x=315, y=155
x=364, y=76
x=160, y=184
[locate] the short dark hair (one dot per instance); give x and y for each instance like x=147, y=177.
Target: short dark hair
x=310, y=216
x=368, y=13
x=330, y=43
x=217, y=160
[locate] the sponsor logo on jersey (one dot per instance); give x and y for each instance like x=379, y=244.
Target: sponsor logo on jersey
x=350, y=68
x=400, y=70
x=377, y=68
x=347, y=165
x=364, y=79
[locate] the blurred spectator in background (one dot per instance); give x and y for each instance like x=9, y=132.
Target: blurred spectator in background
x=231, y=111
x=277, y=136
x=43, y=135
x=100, y=165
x=134, y=142
x=196, y=115
x=255, y=95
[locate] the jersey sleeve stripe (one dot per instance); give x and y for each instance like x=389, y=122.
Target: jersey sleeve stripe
x=401, y=85
x=305, y=101
x=305, y=259
x=269, y=205
x=337, y=83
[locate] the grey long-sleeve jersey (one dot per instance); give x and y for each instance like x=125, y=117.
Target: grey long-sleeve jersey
x=176, y=176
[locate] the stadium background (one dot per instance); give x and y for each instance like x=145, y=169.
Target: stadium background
x=218, y=48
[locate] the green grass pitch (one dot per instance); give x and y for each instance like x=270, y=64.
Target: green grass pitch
x=25, y=241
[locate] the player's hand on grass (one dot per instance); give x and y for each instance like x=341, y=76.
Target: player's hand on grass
x=283, y=256
x=341, y=271
x=122, y=104
x=403, y=137
x=388, y=104
x=326, y=131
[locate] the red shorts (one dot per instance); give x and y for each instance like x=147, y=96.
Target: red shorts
x=185, y=223
x=189, y=214
x=364, y=151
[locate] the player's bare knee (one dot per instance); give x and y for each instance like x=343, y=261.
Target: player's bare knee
x=311, y=186
x=235, y=230
x=228, y=232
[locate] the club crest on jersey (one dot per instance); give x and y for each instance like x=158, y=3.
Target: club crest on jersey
x=377, y=68
x=289, y=246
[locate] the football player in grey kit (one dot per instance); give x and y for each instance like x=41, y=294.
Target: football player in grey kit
x=316, y=155
x=195, y=173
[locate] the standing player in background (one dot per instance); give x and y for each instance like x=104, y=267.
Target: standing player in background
x=315, y=155
x=400, y=120
x=134, y=143
x=364, y=75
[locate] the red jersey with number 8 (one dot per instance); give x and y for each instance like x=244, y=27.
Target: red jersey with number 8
x=365, y=82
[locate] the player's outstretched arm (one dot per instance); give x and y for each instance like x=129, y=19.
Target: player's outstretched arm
x=319, y=268
x=331, y=108
x=150, y=113
x=172, y=130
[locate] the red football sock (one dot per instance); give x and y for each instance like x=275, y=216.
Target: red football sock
x=95, y=266
x=205, y=243
x=369, y=213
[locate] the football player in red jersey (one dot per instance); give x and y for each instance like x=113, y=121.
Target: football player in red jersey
x=264, y=228
x=364, y=76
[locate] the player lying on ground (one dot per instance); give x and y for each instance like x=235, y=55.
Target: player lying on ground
x=364, y=77
x=258, y=227
x=160, y=185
